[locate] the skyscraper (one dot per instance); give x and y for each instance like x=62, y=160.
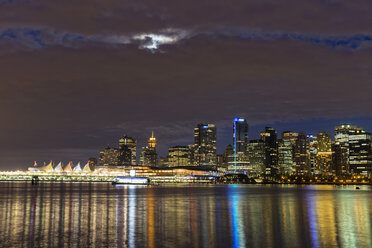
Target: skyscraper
x=269, y=138
x=285, y=156
x=302, y=154
x=205, y=145
x=240, y=140
x=127, y=150
x=356, y=143
x=109, y=157
x=178, y=156
x=324, y=153
x=256, y=156
x=149, y=156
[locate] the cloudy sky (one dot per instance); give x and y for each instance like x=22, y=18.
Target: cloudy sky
x=76, y=75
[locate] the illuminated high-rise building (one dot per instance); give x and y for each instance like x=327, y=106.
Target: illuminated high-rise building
x=204, y=148
x=256, y=156
x=269, y=138
x=324, y=153
x=360, y=156
x=239, y=162
x=302, y=155
x=178, y=156
x=109, y=157
x=127, y=150
x=285, y=156
x=356, y=143
x=152, y=141
x=313, y=151
x=149, y=156
x=340, y=159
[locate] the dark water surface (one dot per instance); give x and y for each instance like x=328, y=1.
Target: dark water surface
x=103, y=215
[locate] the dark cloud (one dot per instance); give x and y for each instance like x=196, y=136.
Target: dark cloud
x=77, y=75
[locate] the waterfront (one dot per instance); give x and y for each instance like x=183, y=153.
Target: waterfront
x=184, y=215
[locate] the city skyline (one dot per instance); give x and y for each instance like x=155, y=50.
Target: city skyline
x=224, y=138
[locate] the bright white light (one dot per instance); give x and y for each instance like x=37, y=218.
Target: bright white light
x=153, y=41
x=132, y=173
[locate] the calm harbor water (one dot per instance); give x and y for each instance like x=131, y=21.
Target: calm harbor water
x=103, y=215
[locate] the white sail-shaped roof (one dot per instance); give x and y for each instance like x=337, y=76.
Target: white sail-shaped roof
x=59, y=167
x=68, y=167
x=87, y=168
x=77, y=168
x=47, y=168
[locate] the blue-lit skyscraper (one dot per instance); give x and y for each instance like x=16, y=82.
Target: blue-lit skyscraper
x=240, y=140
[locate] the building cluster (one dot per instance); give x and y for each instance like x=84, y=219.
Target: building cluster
x=294, y=153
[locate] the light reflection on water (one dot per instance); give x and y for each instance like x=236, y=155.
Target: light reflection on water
x=102, y=215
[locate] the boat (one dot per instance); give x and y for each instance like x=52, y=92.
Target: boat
x=132, y=180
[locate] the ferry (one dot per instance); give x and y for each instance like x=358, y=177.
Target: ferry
x=132, y=180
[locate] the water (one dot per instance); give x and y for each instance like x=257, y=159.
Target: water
x=103, y=215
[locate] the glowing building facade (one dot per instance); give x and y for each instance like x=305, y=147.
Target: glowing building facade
x=269, y=138
x=127, y=150
x=204, y=149
x=109, y=156
x=178, y=156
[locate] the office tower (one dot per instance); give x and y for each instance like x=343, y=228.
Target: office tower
x=149, y=157
x=109, y=157
x=324, y=154
x=127, y=150
x=313, y=151
x=340, y=159
x=360, y=157
x=285, y=156
x=178, y=156
x=302, y=155
x=240, y=139
x=356, y=143
x=204, y=148
x=256, y=156
x=271, y=150
x=240, y=135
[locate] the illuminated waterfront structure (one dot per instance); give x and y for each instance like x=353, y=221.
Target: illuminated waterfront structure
x=109, y=156
x=178, y=156
x=269, y=138
x=204, y=148
x=127, y=150
x=302, y=154
x=256, y=156
x=324, y=153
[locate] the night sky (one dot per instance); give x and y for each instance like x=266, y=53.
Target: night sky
x=76, y=75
